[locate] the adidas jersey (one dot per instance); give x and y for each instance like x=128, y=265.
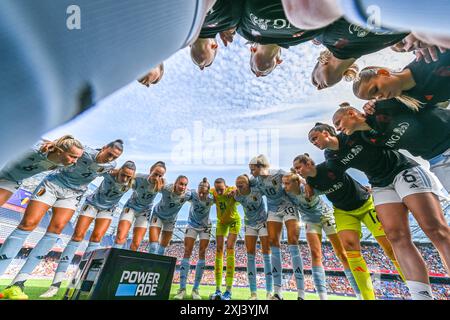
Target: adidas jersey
x=30, y=164
x=264, y=22
x=271, y=186
x=379, y=164
x=78, y=176
x=311, y=211
x=144, y=194
x=425, y=133
x=346, y=40
x=224, y=15
x=226, y=206
x=199, y=211
x=108, y=194
x=254, y=208
x=170, y=204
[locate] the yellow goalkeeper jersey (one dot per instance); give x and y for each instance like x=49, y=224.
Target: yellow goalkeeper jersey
x=226, y=206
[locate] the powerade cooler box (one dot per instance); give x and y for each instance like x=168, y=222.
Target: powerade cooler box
x=117, y=274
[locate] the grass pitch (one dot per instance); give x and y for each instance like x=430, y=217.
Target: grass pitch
x=34, y=288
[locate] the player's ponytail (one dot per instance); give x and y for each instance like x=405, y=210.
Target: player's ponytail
x=351, y=74
x=62, y=144
x=370, y=72
x=116, y=144
x=204, y=184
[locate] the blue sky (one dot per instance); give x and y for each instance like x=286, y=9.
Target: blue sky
x=210, y=123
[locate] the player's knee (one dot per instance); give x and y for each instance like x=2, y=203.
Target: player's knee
x=28, y=224
x=96, y=237
x=274, y=242
x=120, y=239
x=351, y=245
x=438, y=233
x=78, y=237
x=187, y=253
x=56, y=228
x=292, y=239
x=316, y=255
x=202, y=254
x=399, y=237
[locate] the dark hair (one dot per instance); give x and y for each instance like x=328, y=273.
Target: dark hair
x=304, y=158
x=117, y=144
x=204, y=183
x=129, y=165
x=321, y=127
x=161, y=164
x=344, y=105
x=181, y=177
x=220, y=180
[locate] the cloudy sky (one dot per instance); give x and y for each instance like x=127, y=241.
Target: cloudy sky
x=210, y=123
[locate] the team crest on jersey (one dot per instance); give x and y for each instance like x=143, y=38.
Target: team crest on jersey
x=274, y=182
x=331, y=175
x=263, y=24
x=360, y=32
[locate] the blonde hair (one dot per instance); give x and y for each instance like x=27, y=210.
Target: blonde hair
x=260, y=161
x=64, y=144
x=293, y=176
x=244, y=176
x=369, y=72
x=351, y=74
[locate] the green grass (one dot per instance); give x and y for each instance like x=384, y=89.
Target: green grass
x=34, y=288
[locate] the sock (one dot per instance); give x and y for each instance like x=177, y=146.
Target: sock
x=11, y=247
x=397, y=266
x=218, y=270
x=64, y=262
x=361, y=273
x=199, y=269
x=276, y=269
x=229, y=276
x=39, y=252
x=153, y=248
x=251, y=272
x=419, y=290
x=184, y=271
x=297, y=265
x=351, y=279
x=118, y=245
x=318, y=274
x=92, y=246
x=268, y=272
x=161, y=250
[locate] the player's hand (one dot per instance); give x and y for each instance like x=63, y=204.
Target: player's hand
x=369, y=107
x=428, y=54
x=309, y=192
x=227, y=36
x=159, y=183
x=423, y=50
x=145, y=81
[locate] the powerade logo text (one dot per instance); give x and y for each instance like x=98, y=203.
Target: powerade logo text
x=138, y=284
